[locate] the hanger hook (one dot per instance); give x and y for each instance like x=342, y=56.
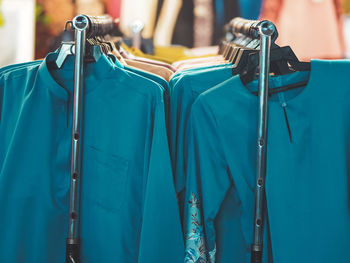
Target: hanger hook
x=67, y=24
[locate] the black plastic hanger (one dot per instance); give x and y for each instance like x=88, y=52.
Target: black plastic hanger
x=94, y=50
x=282, y=61
x=243, y=53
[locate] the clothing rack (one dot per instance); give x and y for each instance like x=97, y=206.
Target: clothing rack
x=85, y=27
x=265, y=31
x=92, y=26
x=245, y=33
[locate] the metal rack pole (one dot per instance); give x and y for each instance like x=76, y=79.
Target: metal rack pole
x=80, y=24
x=266, y=30
x=84, y=26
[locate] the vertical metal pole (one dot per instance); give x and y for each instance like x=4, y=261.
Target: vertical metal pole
x=266, y=29
x=80, y=24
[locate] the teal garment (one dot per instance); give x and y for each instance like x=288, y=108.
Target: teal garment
x=250, y=9
x=166, y=90
x=180, y=73
x=128, y=203
x=162, y=82
x=307, y=183
x=18, y=66
x=184, y=92
x=152, y=77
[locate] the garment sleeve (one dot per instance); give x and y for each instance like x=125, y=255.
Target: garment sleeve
x=178, y=114
x=270, y=10
x=206, y=185
x=161, y=236
x=166, y=22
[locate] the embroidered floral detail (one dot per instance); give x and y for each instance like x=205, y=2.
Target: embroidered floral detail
x=212, y=255
x=195, y=243
x=194, y=202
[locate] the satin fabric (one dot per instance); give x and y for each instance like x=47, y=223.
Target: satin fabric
x=307, y=170
x=126, y=166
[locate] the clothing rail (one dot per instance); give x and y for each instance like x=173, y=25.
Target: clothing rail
x=85, y=27
x=99, y=25
x=250, y=28
x=263, y=30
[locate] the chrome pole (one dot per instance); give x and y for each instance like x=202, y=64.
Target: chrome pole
x=266, y=30
x=80, y=24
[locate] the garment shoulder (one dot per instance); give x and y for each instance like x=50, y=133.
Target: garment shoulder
x=141, y=85
x=222, y=92
x=209, y=78
x=179, y=83
x=19, y=75
x=20, y=72
x=225, y=100
x=203, y=107
x=340, y=68
x=18, y=65
x=331, y=75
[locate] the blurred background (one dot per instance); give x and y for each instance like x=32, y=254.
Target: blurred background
x=313, y=28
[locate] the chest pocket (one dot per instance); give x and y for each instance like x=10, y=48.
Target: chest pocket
x=105, y=179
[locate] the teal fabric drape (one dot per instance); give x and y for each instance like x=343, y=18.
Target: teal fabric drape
x=307, y=172
x=129, y=211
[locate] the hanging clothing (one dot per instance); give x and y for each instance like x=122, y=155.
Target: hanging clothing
x=201, y=51
x=307, y=142
x=113, y=8
x=199, y=62
x=169, y=158
x=221, y=12
x=139, y=53
x=124, y=172
x=158, y=70
x=167, y=54
x=125, y=53
x=225, y=10
x=168, y=12
x=250, y=9
x=203, y=23
x=318, y=31
x=183, y=32
x=11, y=67
x=213, y=58
x=204, y=64
x=185, y=88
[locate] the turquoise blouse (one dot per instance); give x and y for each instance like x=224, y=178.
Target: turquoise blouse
x=128, y=203
x=308, y=170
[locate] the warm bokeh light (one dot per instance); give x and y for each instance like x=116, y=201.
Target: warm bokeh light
x=314, y=29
